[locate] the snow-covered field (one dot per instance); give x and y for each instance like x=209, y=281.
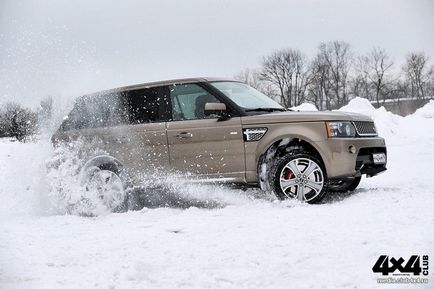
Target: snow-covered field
x=254, y=241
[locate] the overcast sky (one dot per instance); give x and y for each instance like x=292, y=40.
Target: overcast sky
x=65, y=48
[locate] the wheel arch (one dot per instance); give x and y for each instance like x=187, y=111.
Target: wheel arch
x=277, y=147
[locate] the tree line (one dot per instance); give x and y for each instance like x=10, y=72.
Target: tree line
x=335, y=75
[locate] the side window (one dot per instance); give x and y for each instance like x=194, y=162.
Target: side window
x=74, y=120
x=146, y=105
x=96, y=111
x=188, y=101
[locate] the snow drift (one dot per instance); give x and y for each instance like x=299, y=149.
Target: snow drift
x=249, y=240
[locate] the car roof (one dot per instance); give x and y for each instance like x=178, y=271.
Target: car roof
x=156, y=84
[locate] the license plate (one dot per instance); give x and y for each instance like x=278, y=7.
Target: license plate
x=379, y=158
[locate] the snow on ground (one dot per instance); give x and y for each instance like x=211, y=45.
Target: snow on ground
x=251, y=242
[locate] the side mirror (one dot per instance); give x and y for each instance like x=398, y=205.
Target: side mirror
x=214, y=108
x=218, y=109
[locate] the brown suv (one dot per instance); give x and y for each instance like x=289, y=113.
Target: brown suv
x=220, y=130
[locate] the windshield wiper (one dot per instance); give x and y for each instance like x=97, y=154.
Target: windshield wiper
x=268, y=109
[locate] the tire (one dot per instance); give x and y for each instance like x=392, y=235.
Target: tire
x=354, y=184
x=346, y=185
x=108, y=187
x=289, y=171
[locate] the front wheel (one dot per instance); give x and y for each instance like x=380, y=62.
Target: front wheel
x=299, y=175
x=349, y=184
x=354, y=184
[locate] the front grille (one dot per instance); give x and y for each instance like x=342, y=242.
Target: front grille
x=365, y=128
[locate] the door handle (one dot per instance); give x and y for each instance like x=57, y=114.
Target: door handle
x=184, y=134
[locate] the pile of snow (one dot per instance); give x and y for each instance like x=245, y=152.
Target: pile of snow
x=305, y=107
x=394, y=127
x=386, y=122
x=425, y=112
x=360, y=105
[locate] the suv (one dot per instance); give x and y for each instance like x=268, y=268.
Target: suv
x=220, y=130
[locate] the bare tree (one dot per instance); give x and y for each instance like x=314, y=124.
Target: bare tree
x=253, y=78
x=4, y=125
x=301, y=78
x=359, y=83
x=376, y=66
x=287, y=71
x=359, y=86
x=249, y=76
x=399, y=89
x=272, y=71
x=430, y=85
x=319, y=85
x=419, y=74
x=334, y=76
x=337, y=56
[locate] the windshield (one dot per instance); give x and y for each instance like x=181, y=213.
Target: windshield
x=245, y=96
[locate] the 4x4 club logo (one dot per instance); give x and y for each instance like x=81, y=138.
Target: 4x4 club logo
x=414, y=265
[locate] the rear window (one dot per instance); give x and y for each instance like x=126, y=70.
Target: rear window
x=97, y=111
x=146, y=105
x=125, y=108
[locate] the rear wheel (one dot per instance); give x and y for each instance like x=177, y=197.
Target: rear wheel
x=299, y=175
x=108, y=188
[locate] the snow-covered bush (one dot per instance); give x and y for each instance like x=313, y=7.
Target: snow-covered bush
x=18, y=122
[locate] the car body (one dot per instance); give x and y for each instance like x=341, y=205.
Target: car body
x=217, y=129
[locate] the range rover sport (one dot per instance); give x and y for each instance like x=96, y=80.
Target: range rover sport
x=220, y=130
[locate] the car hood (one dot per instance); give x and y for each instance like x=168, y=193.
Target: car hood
x=300, y=116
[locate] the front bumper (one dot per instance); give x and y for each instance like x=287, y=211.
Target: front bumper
x=340, y=162
x=365, y=163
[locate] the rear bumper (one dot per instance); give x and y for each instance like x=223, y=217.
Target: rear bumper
x=340, y=162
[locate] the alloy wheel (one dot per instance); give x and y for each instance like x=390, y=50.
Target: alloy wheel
x=108, y=187
x=302, y=179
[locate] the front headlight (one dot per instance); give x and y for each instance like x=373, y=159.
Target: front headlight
x=340, y=129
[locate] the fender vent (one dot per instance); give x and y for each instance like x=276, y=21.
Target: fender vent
x=254, y=134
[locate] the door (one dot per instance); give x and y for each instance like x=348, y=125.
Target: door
x=199, y=144
x=142, y=143
x=129, y=126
